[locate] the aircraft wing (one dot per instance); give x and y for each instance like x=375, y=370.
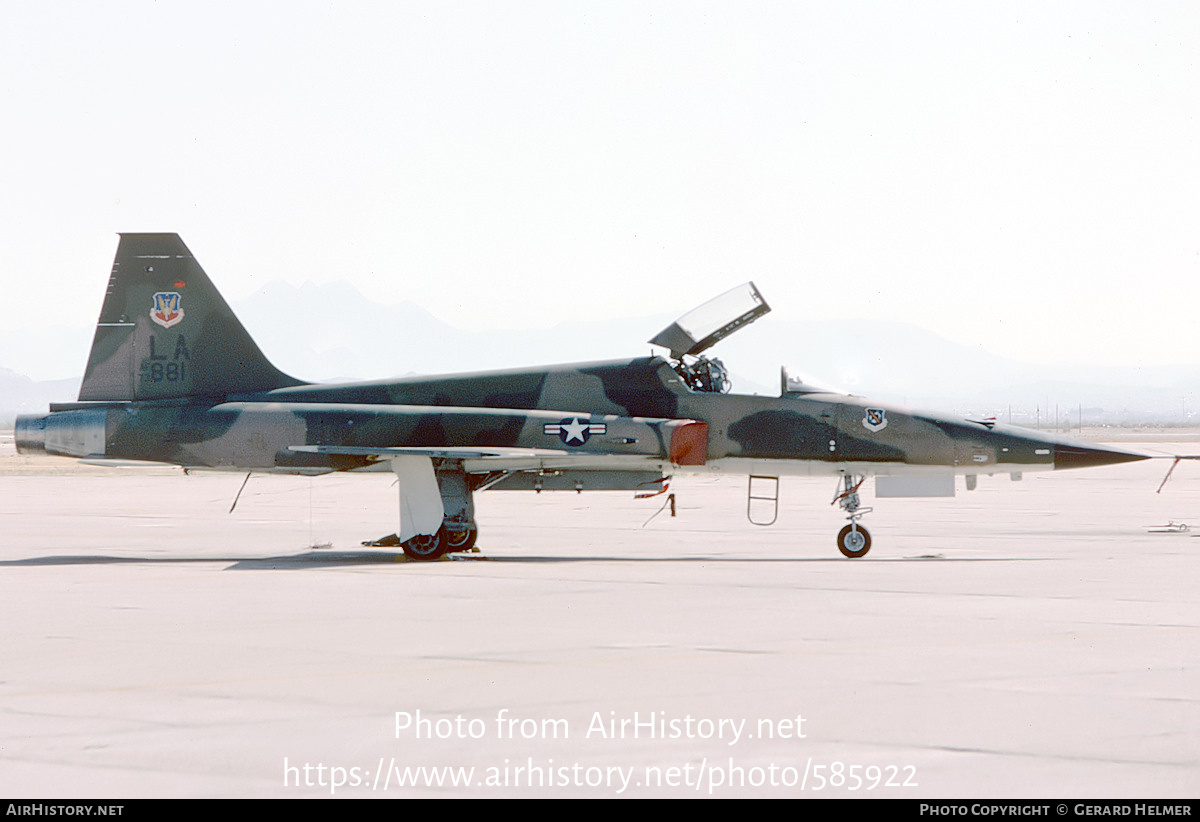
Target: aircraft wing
x=478, y=460
x=451, y=453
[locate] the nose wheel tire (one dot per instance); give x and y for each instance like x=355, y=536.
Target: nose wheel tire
x=854, y=541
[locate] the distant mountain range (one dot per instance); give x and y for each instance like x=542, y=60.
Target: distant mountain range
x=21, y=395
x=333, y=333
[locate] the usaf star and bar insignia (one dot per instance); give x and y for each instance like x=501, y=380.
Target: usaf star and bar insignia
x=574, y=431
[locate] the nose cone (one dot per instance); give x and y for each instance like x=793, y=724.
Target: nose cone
x=1091, y=455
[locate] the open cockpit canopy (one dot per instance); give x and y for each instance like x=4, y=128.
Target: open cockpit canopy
x=702, y=327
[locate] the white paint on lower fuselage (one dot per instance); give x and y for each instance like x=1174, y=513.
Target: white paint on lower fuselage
x=822, y=468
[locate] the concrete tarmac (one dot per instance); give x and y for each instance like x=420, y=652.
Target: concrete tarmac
x=1026, y=639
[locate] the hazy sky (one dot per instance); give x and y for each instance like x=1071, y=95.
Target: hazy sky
x=1024, y=176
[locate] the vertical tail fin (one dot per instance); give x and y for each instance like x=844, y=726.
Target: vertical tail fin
x=165, y=332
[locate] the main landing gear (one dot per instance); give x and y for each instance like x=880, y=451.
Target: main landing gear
x=458, y=542
x=430, y=498
x=445, y=541
x=427, y=546
x=853, y=540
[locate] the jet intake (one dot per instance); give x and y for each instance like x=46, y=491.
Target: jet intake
x=689, y=442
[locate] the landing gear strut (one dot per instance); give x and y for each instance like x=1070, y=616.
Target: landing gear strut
x=853, y=540
x=459, y=530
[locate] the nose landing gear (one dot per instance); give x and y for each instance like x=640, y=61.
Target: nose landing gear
x=853, y=540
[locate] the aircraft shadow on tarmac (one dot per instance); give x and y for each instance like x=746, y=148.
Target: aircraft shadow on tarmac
x=334, y=559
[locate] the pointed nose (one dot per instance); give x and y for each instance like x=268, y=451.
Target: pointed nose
x=1090, y=456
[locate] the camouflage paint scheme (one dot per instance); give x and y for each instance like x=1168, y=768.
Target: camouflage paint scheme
x=173, y=377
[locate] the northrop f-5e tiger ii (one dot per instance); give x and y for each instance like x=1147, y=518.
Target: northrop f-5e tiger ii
x=173, y=377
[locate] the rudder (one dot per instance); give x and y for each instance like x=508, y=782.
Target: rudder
x=165, y=332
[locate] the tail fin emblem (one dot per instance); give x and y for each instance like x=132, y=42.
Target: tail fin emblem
x=167, y=309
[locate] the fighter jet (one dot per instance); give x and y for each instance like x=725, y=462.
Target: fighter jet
x=173, y=377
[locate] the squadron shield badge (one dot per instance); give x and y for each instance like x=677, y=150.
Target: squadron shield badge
x=167, y=308
x=875, y=419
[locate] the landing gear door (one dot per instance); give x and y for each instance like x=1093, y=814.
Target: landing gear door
x=421, y=507
x=702, y=327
